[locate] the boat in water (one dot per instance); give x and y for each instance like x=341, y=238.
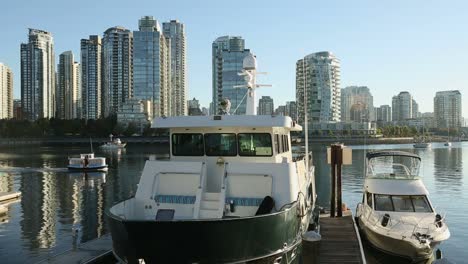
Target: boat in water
x=87, y=162
x=396, y=215
x=113, y=143
x=448, y=144
x=230, y=192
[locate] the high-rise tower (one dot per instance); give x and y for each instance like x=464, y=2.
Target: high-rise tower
x=152, y=66
x=38, y=75
x=6, y=92
x=117, y=45
x=228, y=54
x=174, y=30
x=91, y=78
x=319, y=75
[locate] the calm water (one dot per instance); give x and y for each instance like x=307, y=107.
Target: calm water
x=55, y=201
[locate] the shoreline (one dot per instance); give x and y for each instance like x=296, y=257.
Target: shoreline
x=165, y=140
x=78, y=141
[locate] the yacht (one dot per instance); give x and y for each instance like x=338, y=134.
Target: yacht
x=87, y=162
x=396, y=215
x=231, y=192
x=113, y=143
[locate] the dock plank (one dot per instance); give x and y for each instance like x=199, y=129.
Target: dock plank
x=340, y=242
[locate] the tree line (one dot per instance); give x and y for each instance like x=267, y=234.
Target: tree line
x=12, y=128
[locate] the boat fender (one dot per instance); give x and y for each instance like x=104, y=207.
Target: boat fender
x=232, y=206
x=438, y=220
x=266, y=206
x=385, y=220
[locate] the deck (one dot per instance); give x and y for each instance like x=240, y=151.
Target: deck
x=340, y=242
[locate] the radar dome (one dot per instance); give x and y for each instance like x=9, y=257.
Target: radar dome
x=250, y=62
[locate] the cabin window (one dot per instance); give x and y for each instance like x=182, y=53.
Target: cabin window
x=187, y=145
x=421, y=204
x=402, y=203
x=277, y=147
x=369, y=199
x=383, y=202
x=255, y=144
x=220, y=144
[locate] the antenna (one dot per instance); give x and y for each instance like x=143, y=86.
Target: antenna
x=249, y=72
x=91, y=143
x=306, y=121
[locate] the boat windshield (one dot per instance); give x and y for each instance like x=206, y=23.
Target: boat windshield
x=393, y=167
x=222, y=144
x=402, y=203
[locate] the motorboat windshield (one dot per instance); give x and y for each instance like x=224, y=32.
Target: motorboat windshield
x=393, y=165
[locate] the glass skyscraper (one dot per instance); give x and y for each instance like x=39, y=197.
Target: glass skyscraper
x=91, y=82
x=151, y=66
x=228, y=54
x=117, y=68
x=174, y=30
x=319, y=75
x=38, y=75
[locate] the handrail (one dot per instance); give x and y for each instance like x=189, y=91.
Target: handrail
x=223, y=183
x=247, y=174
x=202, y=176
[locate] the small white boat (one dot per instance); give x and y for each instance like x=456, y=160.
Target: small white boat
x=422, y=145
x=448, y=144
x=113, y=144
x=396, y=215
x=87, y=162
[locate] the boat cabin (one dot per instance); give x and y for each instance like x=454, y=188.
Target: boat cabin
x=222, y=166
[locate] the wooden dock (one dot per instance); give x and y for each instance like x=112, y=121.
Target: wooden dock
x=98, y=250
x=340, y=241
x=9, y=196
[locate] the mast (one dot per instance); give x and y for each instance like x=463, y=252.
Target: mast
x=249, y=71
x=306, y=121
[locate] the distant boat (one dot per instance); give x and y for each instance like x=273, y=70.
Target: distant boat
x=448, y=143
x=87, y=162
x=422, y=145
x=113, y=144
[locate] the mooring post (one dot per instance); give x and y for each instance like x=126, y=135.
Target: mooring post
x=333, y=179
x=339, y=163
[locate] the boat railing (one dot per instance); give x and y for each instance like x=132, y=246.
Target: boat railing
x=199, y=195
x=223, y=189
x=375, y=219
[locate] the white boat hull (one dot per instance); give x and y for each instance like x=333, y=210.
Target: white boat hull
x=397, y=247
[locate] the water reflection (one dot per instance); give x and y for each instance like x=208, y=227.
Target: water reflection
x=39, y=206
x=448, y=167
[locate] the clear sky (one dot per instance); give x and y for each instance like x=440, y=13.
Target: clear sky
x=400, y=45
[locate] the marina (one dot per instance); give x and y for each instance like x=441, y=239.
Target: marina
x=80, y=201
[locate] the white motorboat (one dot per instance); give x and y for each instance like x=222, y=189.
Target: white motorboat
x=422, y=144
x=113, y=143
x=396, y=215
x=87, y=162
x=448, y=144
x=230, y=192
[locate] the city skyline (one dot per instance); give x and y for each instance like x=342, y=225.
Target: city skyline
x=410, y=50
